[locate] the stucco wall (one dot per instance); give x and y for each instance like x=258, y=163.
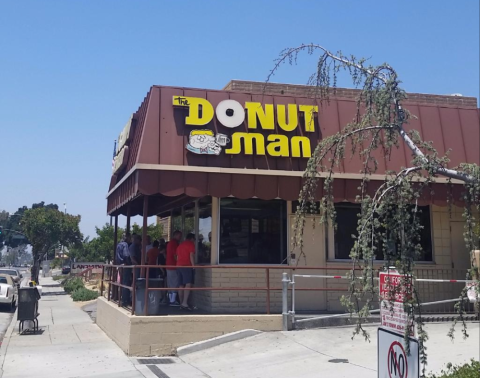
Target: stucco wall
x=161, y=335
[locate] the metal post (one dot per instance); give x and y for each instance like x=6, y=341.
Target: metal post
x=267, y=274
x=127, y=231
x=115, y=241
x=293, y=300
x=145, y=311
x=144, y=233
x=120, y=269
x=285, y=282
x=110, y=286
x=133, y=292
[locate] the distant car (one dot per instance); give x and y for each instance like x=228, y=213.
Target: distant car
x=8, y=291
x=16, y=276
x=66, y=270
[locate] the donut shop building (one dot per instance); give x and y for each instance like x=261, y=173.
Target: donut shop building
x=227, y=165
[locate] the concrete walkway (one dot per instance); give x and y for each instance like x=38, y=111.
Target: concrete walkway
x=70, y=344
x=328, y=352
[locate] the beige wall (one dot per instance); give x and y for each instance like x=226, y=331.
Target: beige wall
x=317, y=255
x=161, y=335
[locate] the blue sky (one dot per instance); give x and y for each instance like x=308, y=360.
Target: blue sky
x=71, y=72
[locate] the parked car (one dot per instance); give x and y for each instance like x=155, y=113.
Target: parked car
x=16, y=276
x=66, y=270
x=8, y=291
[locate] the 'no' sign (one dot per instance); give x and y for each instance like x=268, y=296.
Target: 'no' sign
x=393, y=361
x=397, y=361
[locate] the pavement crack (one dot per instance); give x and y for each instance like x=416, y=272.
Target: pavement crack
x=76, y=334
x=325, y=354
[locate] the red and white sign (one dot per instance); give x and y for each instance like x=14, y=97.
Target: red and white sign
x=392, y=314
x=393, y=361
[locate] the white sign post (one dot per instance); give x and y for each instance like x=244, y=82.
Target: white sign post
x=393, y=361
x=392, y=314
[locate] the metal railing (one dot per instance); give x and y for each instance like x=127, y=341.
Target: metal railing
x=114, y=292
x=438, y=290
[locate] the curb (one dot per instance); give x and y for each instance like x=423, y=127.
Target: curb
x=332, y=322
x=6, y=340
x=207, y=344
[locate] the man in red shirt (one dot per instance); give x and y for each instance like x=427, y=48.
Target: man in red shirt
x=185, y=262
x=171, y=260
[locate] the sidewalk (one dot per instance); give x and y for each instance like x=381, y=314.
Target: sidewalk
x=71, y=345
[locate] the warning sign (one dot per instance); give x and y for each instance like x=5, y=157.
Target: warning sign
x=392, y=292
x=393, y=361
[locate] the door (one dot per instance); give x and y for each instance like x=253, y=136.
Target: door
x=459, y=253
x=314, y=250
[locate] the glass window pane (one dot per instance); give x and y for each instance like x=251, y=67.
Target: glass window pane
x=252, y=231
x=347, y=223
x=347, y=218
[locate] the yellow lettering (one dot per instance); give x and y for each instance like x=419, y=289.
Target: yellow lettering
x=301, y=147
x=292, y=117
x=308, y=111
x=248, y=139
x=193, y=104
x=278, y=145
x=266, y=117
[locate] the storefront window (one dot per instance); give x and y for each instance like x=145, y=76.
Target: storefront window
x=347, y=223
x=252, y=231
x=204, y=238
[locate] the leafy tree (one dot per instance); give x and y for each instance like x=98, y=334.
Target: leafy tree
x=98, y=249
x=12, y=235
x=155, y=230
x=387, y=218
x=46, y=227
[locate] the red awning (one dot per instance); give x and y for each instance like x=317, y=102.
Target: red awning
x=159, y=164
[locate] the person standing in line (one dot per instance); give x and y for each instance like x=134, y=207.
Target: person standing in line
x=161, y=262
x=149, y=243
x=136, y=253
x=122, y=257
x=152, y=259
x=172, y=276
x=185, y=263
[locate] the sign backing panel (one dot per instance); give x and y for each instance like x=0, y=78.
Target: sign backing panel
x=392, y=359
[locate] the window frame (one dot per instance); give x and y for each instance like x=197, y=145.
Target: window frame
x=330, y=235
x=286, y=210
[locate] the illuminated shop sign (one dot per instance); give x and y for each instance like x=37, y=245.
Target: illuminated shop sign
x=231, y=114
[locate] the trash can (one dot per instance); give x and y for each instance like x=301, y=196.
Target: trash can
x=28, y=306
x=154, y=297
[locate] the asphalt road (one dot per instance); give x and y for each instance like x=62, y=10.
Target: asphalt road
x=5, y=314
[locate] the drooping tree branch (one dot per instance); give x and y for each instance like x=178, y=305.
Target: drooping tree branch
x=387, y=220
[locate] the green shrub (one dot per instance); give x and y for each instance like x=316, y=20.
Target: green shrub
x=58, y=278
x=82, y=294
x=471, y=370
x=72, y=283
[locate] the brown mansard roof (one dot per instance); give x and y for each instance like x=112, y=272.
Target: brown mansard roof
x=160, y=166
